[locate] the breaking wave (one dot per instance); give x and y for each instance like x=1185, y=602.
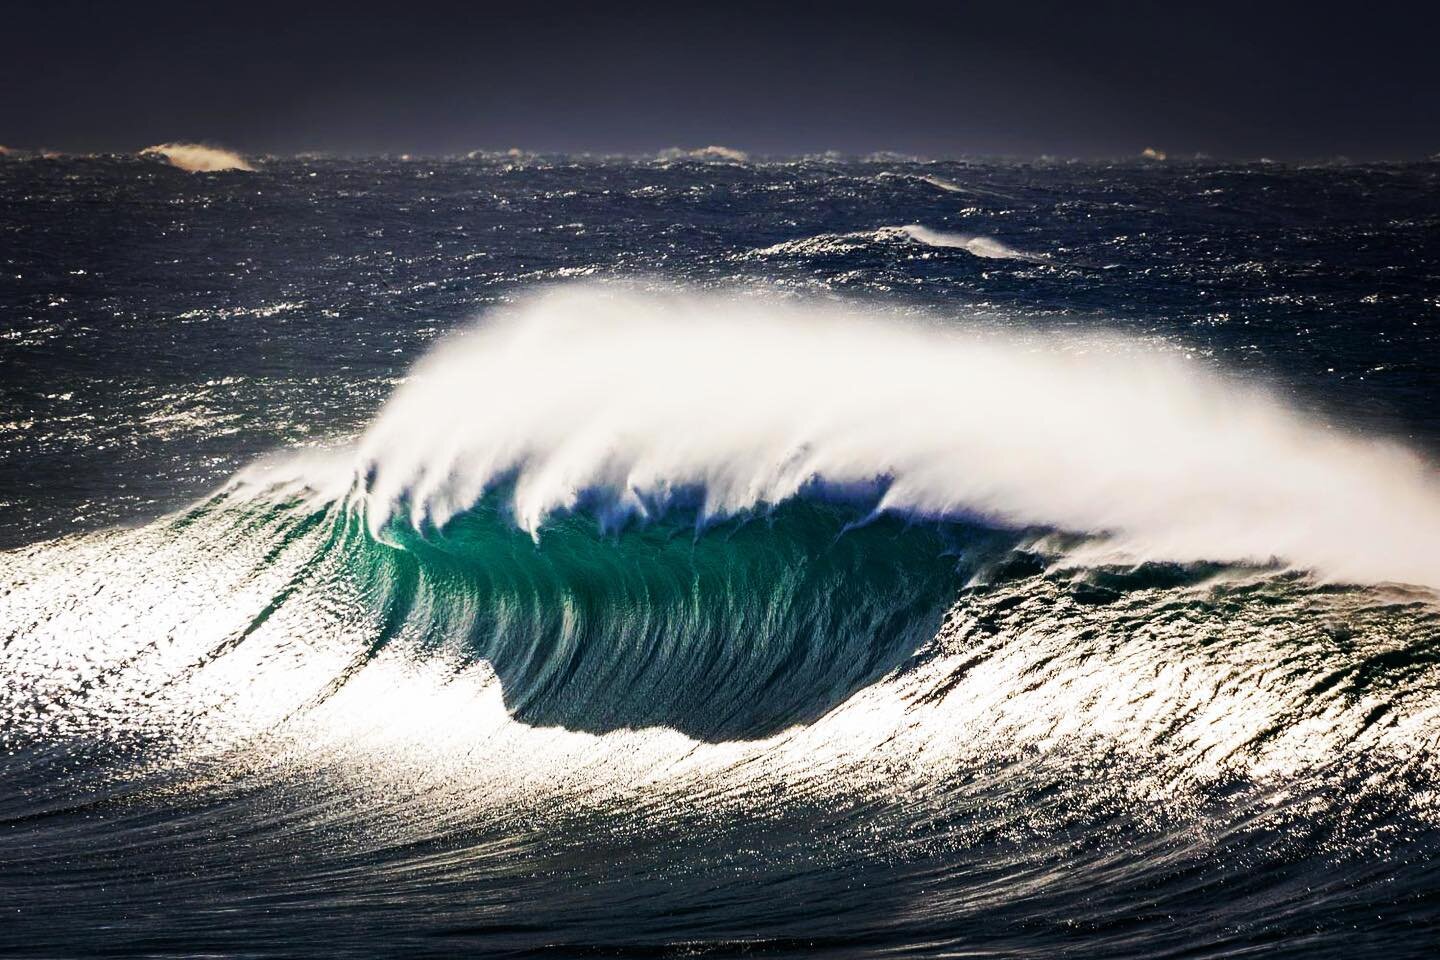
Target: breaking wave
x=986, y=247
x=837, y=244
x=644, y=578
x=198, y=158
x=712, y=153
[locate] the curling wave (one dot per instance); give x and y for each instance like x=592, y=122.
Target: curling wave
x=669, y=560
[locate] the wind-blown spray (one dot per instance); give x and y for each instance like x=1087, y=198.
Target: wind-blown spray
x=625, y=400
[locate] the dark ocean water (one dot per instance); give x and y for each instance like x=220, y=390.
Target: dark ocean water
x=683, y=613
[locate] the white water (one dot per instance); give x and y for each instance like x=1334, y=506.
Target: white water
x=987, y=247
x=833, y=244
x=712, y=152
x=198, y=158
x=586, y=388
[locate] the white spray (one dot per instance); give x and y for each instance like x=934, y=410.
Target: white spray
x=586, y=388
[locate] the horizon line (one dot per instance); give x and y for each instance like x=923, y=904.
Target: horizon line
x=724, y=154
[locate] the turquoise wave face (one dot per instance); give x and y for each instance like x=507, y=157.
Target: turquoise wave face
x=729, y=631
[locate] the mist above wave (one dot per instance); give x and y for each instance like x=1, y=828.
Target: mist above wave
x=198, y=158
x=618, y=400
x=711, y=153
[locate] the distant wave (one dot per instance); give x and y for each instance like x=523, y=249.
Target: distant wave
x=948, y=186
x=712, y=152
x=987, y=247
x=945, y=185
x=198, y=158
x=837, y=243
x=935, y=182
x=11, y=153
x=625, y=403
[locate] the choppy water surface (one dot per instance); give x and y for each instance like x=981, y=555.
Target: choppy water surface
x=815, y=557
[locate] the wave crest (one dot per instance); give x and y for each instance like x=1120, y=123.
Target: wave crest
x=714, y=152
x=198, y=158
x=836, y=244
x=986, y=247
x=620, y=401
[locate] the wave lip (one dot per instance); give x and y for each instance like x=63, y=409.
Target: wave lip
x=620, y=402
x=945, y=186
x=984, y=247
x=835, y=244
x=198, y=158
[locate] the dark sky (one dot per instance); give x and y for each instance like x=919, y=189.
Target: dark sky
x=1071, y=79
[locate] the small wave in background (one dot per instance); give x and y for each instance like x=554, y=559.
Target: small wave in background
x=985, y=247
x=198, y=158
